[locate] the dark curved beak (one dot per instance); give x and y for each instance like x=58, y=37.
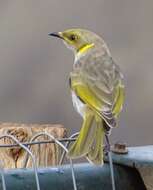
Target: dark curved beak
x=56, y=34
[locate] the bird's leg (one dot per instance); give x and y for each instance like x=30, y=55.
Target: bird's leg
x=107, y=146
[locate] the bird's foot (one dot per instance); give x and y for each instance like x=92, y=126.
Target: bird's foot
x=107, y=149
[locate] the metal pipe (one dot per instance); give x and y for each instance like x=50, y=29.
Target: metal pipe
x=88, y=177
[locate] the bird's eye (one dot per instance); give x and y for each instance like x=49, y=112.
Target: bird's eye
x=73, y=37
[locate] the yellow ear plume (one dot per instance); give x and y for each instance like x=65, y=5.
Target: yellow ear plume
x=85, y=48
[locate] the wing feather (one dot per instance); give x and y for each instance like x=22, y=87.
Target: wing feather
x=101, y=80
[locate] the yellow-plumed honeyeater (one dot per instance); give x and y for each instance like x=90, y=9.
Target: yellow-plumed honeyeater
x=97, y=91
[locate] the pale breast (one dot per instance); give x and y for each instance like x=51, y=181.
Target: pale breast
x=78, y=104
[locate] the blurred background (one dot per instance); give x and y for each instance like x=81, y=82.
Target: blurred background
x=34, y=68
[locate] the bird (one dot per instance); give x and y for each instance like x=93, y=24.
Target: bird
x=97, y=89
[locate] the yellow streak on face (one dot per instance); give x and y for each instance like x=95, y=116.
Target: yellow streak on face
x=85, y=48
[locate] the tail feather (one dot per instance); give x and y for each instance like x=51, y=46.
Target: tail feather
x=98, y=160
x=95, y=155
x=86, y=137
x=90, y=140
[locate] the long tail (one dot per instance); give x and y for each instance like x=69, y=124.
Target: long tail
x=90, y=140
x=95, y=155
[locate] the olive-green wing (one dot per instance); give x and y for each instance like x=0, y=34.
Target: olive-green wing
x=98, y=83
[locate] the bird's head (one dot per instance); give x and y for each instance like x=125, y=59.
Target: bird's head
x=79, y=40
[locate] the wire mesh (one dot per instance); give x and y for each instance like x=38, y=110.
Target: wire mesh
x=63, y=143
x=29, y=152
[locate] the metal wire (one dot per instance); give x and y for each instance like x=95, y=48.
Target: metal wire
x=110, y=162
x=37, y=142
x=111, y=170
x=67, y=145
x=53, y=140
x=30, y=153
x=62, y=146
x=2, y=176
